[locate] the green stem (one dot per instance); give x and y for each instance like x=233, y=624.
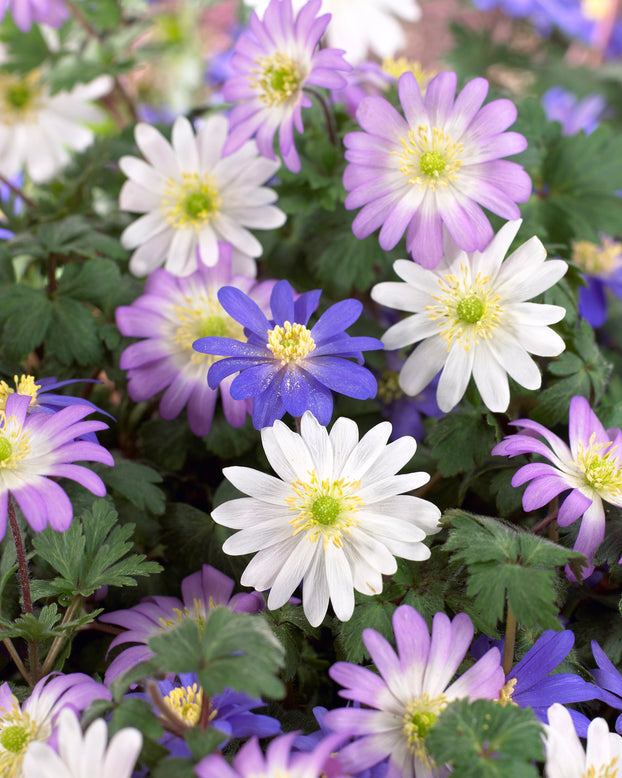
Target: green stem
x=328, y=116
x=510, y=639
x=56, y=646
x=8, y=643
x=18, y=192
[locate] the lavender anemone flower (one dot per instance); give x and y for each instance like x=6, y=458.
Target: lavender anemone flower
x=284, y=366
x=274, y=62
x=201, y=591
x=601, y=267
x=37, y=447
x=530, y=684
x=25, y=13
x=433, y=168
x=415, y=686
x=609, y=679
x=590, y=469
x=279, y=760
x=230, y=712
x=573, y=114
x=35, y=720
x=171, y=314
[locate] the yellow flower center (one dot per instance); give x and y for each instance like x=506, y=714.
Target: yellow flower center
x=429, y=157
x=186, y=703
x=25, y=384
x=420, y=715
x=505, y=695
x=389, y=388
x=395, y=68
x=198, y=614
x=466, y=310
x=278, y=79
x=19, y=97
x=202, y=317
x=597, y=260
x=290, y=343
x=17, y=730
x=596, y=10
x=325, y=509
x=14, y=444
x=609, y=770
x=601, y=469
x=191, y=204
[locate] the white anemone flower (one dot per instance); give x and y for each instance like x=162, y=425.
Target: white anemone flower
x=192, y=197
x=85, y=755
x=565, y=757
x=335, y=517
x=471, y=314
x=38, y=130
x=362, y=26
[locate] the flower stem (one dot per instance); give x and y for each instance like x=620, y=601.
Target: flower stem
x=510, y=639
x=18, y=192
x=58, y=641
x=328, y=116
x=8, y=643
x=24, y=580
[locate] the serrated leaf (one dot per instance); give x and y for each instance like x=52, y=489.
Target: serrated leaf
x=202, y=742
x=370, y=612
x=506, y=563
x=461, y=440
x=27, y=315
x=94, y=281
x=230, y=650
x=72, y=335
x=483, y=739
x=135, y=482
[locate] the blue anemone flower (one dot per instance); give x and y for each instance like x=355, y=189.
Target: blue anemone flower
x=284, y=366
x=609, y=680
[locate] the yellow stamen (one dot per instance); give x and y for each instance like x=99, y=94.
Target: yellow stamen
x=609, y=770
x=597, y=260
x=202, y=317
x=395, y=68
x=290, y=343
x=198, y=613
x=14, y=444
x=25, y=384
x=421, y=713
x=191, y=204
x=17, y=730
x=466, y=310
x=20, y=97
x=505, y=695
x=186, y=703
x=430, y=158
x=601, y=467
x=278, y=79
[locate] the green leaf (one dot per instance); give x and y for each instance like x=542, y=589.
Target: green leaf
x=94, y=281
x=229, y=650
x=72, y=335
x=369, y=612
x=27, y=315
x=134, y=482
x=506, y=563
x=230, y=443
x=462, y=439
x=202, y=742
x=483, y=739
x=91, y=553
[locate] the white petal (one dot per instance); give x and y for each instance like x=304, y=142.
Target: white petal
x=455, y=377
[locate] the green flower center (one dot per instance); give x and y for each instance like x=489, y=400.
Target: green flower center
x=429, y=157
x=6, y=449
x=198, y=205
x=470, y=309
x=14, y=738
x=279, y=78
x=326, y=510
x=419, y=717
x=432, y=163
x=191, y=204
x=601, y=468
x=214, y=326
x=203, y=317
x=18, y=96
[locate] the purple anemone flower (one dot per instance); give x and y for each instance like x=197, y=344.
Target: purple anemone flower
x=601, y=266
x=25, y=13
x=573, y=114
x=36, y=719
x=286, y=367
x=230, y=712
x=530, y=684
x=201, y=591
x=278, y=760
x=171, y=314
x=274, y=62
x=414, y=686
x=609, y=680
x=433, y=168
x=37, y=447
x=589, y=468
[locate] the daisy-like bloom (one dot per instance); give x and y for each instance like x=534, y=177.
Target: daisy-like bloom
x=565, y=757
x=274, y=62
x=573, y=114
x=36, y=719
x=470, y=312
x=609, y=680
x=334, y=518
x=415, y=685
x=367, y=26
x=278, y=760
x=192, y=196
x=433, y=169
x=601, y=266
x=285, y=366
x=85, y=755
x=200, y=592
x=38, y=130
x=590, y=468
x=25, y=13
x=37, y=447
x=171, y=314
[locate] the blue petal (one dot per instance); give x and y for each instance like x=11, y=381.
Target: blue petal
x=295, y=392
x=226, y=367
x=546, y=654
x=348, y=346
x=592, y=302
x=306, y=304
x=230, y=347
x=561, y=687
x=282, y=303
x=336, y=319
x=320, y=401
x=267, y=408
x=244, y=310
x=342, y=376
x=254, y=380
